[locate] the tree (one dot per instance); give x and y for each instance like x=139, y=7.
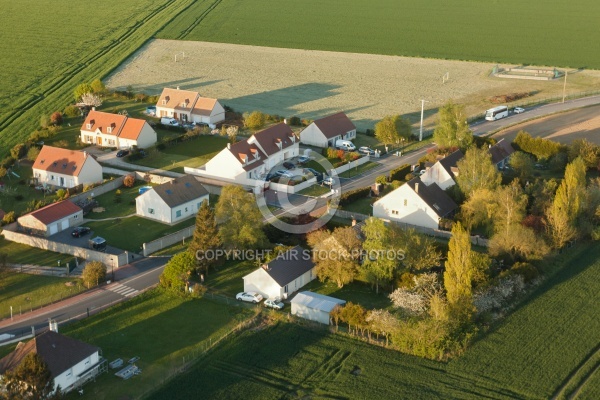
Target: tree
x=240, y=221
x=382, y=322
x=30, y=379
x=519, y=243
x=206, y=237
x=232, y=132
x=378, y=266
x=511, y=205
x=56, y=118
x=452, y=129
x=97, y=86
x=458, y=274
x=479, y=209
x=177, y=272
x=33, y=153
x=391, y=129
x=558, y=227
x=82, y=89
x=4, y=267
x=335, y=254
x=570, y=194
x=93, y=273
x=129, y=181
x=588, y=152
x=522, y=164
x=476, y=171
x=91, y=99
x=420, y=251
x=255, y=120
x=44, y=121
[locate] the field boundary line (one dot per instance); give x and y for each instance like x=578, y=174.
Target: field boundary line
x=574, y=379
x=197, y=22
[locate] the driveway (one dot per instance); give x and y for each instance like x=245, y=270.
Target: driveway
x=66, y=238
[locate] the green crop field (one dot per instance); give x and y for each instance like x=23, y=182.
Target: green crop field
x=552, y=32
x=49, y=47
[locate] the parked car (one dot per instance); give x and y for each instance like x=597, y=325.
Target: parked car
x=329, y=181
x=283, y=172
x=98, y=244
x=366, y=150
x=303, y=160
x=80, y=231
x=169, y=121
x=122, y=153
x=317, y=174
x=273, y=303
x=518, y=110
x=289, y=165
x=250, y=297
x=345, y=145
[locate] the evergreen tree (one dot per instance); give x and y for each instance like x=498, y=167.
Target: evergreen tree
x=206, y=237
x=31, y=379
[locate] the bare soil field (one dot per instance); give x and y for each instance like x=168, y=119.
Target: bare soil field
x=312, y=84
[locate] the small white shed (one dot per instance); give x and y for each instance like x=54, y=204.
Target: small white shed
x=314, y=306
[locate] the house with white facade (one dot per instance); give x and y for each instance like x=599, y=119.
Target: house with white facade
x=283, y=276
x=443, y=172
x=314, y=306
x=415, y=203
x=64, y=168
x=115, y=130
x=325, y=131
x=51, y=219
x=189, y=106
x=71, y=362
x=501, y=153
x=254, y=157
x=173, y=201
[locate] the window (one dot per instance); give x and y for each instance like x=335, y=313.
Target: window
x=88, y=126
x=70, y=373
x=285, y=289
x=177, y=213
x=76, y=216
x=151, y=211
x=395, y=212
x=405, y=202
x=164, y=102
x=109, y=129
x=88, y=361
x=186, y=209
x=199, y=204
x=51, y=177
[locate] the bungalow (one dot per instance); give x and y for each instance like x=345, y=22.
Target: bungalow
x=66, y=168
x=254, y=157
x=325, y=131
x=173, y=201
x=115, y=130
x=415, y=203
x=314, y=306
x=500, y=153
x=51, y=219
x=189, y=106
x=443, y=172
x=284, y=275
x=71, y=362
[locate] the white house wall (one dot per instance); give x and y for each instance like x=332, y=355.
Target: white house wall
x=438, y=174
x=91, y=172
x=298, y=283
x=311, y=314
x=187, y=210
x=404, y=205
x=151, y=205
x=225, y=165
x=313, y=136
x=261, y=282
x=147, y=137
x=68, y=378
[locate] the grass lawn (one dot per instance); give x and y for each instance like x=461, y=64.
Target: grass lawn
x=369, y=141
x=131, y=233
x=22, y=254
x=357, y=292
x=315, y=190
x=17, y=195
x=25, y=292
x=126, y=206
x=192, y=153
x=173, y=249
x=362, y=206
x=227, y=278
x=359, y=170
x=160, y=329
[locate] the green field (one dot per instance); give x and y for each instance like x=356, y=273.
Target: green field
x=553, y=32
x=49, y=47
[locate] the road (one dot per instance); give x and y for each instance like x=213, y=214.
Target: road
x=131, y=280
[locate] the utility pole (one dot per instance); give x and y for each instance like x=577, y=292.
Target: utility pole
x=565, y=86
x=421, y=128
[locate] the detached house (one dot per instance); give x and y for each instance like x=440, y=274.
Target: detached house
x=52, y=219
x=415, y=203
x=283, y=276
x=173, y=201
x=325, y=131
x=501, y=153
x=71, y=362
x=115, y=130
x=65, y=168
x=444, y=172
x=254, y=157
x=188, y=106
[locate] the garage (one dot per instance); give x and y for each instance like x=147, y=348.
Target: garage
x=52, y=219
x=314, y=306
x=52, y=229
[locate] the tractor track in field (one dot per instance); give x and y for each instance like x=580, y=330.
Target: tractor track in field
x=591, y=362
x=197, y=22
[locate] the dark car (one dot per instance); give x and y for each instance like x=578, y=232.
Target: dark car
x=122, y=153
x=316, y=173
x=289, y=165
x=80, y=231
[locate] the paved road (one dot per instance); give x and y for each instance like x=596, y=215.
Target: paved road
x=131, y=280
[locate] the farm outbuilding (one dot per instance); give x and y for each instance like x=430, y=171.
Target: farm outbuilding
x=314, y=306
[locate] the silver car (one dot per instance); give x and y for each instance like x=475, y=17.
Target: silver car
x=250, y=297
x=273, y=303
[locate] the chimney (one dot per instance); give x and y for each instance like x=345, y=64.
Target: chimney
x=285, y=121
x=177, y=87
x=53, y=325
x=85, y=154
x=229, y=145
x=416, y=187
x=353, y=221
x=93, y=108
x=265, y=267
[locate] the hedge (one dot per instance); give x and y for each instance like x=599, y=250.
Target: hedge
x=400, y=173
x=353, y=195
x=539, y=147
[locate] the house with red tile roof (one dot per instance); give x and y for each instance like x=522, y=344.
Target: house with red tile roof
x=51, y=219
x=115, y=130
x=254, y=157
x=325, y=131
x=64, y=168
x=188, y=106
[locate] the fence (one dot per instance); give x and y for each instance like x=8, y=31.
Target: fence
x=352, y=164
x=152, y=178
x=166, y=241
x=116, y=260
x=292, y=189
x=16, y=308
x=98, y=190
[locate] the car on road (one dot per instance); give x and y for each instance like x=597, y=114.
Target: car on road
x=273, y=303
x=329, y=181
x=303, y=160
x=289, y=165
x=250, y=297
x=366, y=150
x=122, y=153
x=80, y=231
x=518, y=110
x=317, y=174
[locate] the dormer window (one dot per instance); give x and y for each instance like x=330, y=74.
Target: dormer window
x=109, y=129
x=293, y=138
x=164, y=102
x=88, y=126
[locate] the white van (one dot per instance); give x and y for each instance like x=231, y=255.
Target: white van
x=345, y=145
x=168, y=121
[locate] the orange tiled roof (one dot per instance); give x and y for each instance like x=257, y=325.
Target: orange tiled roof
x=204, y=106
x=121, y=126
x=60, y=161
x=176, y=98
